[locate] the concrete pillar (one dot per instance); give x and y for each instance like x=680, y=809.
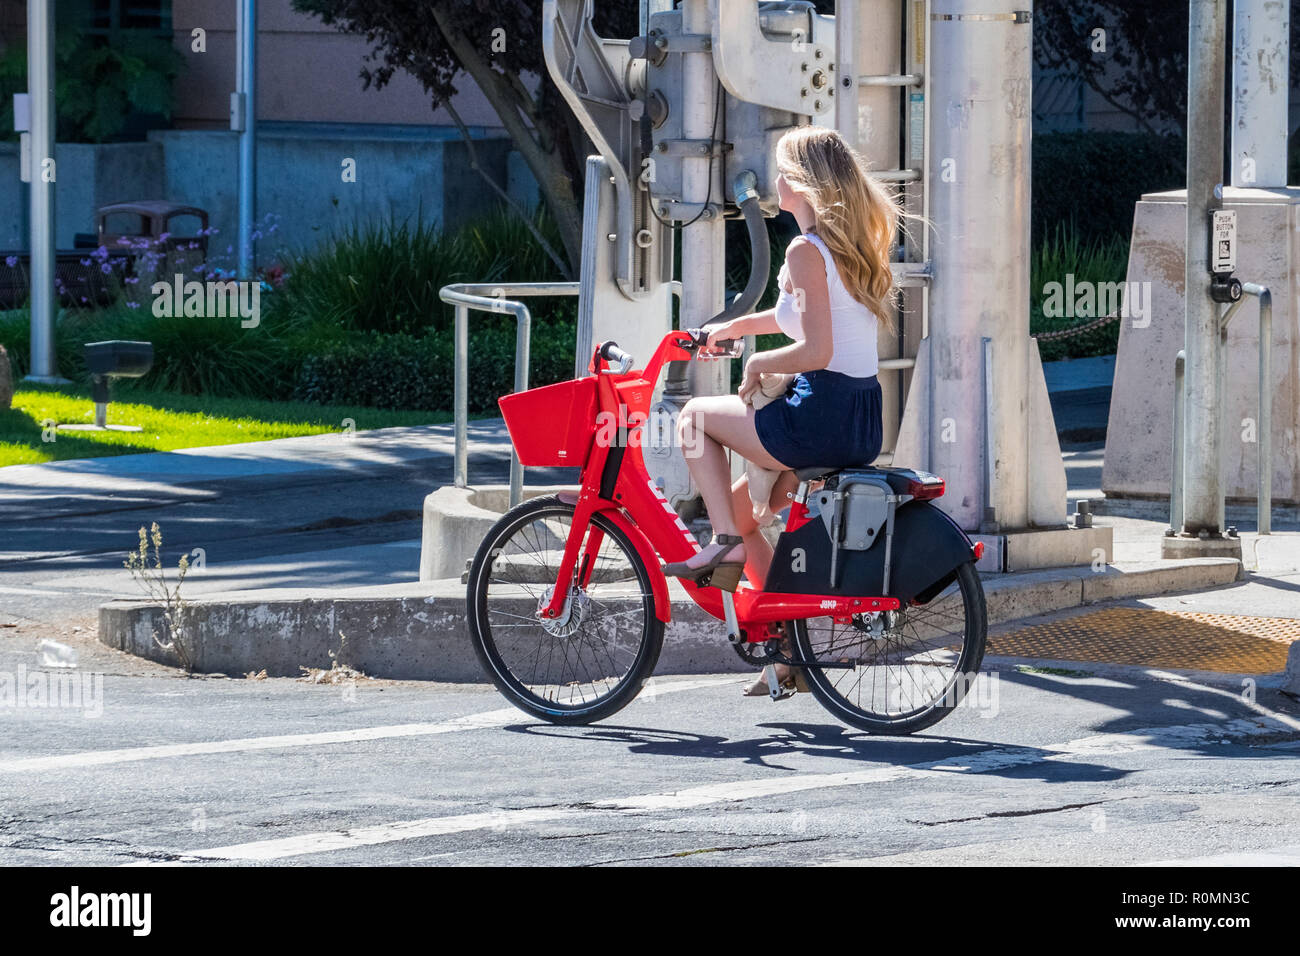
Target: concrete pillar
x=988, y=429
x=703, y=241
x=1261, y=34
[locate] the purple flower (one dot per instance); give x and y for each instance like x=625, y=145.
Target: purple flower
x=164, y=237
x=101, y=253
x=85, y=262
x=133, y=305
x=11, y=261
x=106, y=268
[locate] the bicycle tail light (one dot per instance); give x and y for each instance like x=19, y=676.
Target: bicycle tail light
x=925, y=485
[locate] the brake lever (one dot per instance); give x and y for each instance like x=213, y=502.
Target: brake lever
x=730, y=348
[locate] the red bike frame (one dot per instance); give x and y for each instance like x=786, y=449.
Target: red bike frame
x=635, y=505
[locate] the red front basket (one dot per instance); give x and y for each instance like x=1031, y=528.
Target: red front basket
x=554, y=424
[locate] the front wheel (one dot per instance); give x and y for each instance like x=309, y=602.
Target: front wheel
x=899, y=671
x=592, y=660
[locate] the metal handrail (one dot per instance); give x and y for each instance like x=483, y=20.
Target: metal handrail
x=470, y=295
x=1264, y=426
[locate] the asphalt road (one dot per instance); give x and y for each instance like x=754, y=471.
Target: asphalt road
x=1108, y=766
x=1039, y=768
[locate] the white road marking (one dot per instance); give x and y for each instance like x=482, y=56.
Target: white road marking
x=491, y=718
x=997, y=758
x=369, y=836
x=1275, y=856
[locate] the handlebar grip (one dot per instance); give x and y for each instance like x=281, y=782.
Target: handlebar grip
x=610, y=352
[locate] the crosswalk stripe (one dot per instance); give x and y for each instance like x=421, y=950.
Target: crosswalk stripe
x=491, y=718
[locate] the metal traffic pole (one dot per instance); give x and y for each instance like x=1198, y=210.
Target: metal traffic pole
x=43, y=172
x=1202, y=486
x=243, y=118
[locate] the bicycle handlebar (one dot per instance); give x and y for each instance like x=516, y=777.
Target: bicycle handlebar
x=620, y=362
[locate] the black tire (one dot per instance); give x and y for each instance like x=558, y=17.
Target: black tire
x=893, y=653
x=521, y=549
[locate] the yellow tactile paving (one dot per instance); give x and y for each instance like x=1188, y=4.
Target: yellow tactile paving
x=1185, y=640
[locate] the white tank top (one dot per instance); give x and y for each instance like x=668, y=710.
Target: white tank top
x=853, y=325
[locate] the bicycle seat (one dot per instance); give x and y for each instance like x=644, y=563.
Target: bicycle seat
x=899, y=479
x=818, y=472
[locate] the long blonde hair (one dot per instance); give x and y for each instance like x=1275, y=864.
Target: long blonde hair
x=858, y=217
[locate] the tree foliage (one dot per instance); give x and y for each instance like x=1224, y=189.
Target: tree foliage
x=1138, y=64
x=498, y=44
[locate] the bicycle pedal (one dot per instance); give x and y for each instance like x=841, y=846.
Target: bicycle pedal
x=775, y=690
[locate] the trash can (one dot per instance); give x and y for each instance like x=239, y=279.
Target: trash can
x=140, y=226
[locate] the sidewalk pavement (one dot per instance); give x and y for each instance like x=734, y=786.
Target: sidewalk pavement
x=95, y=485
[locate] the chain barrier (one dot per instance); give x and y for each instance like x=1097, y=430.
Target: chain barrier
x=1077, y=330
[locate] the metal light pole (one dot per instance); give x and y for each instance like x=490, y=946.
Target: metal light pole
x=1202, y=464
x=40, y=89
x=243, y=118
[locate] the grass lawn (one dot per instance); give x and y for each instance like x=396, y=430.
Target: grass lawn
x=169, y=421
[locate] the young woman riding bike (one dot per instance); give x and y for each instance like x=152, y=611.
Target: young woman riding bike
x=836, y=289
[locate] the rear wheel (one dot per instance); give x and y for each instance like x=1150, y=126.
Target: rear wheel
x=592, y=660
x=910, y=668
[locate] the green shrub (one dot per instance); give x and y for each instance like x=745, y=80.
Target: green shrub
x=404, y=371
x=193, y=355
x=384, y=277
x=1095, y=260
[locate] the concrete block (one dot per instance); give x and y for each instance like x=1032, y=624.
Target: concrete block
x=1046, y=548
x=1139, y=431
x=1180, y=546
x=1291, y=679
x=1058, y=547
x=457, y=519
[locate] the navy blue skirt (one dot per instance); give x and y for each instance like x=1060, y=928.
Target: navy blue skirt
x=824, y=418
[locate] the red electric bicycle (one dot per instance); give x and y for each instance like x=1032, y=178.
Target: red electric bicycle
x=874, y=586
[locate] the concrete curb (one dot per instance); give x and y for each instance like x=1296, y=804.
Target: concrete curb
x=417, y=631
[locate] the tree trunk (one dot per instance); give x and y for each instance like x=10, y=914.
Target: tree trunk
x=547, y=166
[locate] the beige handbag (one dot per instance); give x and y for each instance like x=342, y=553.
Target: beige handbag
x=771, y=386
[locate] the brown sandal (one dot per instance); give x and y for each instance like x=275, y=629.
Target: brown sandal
x=716, y=573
